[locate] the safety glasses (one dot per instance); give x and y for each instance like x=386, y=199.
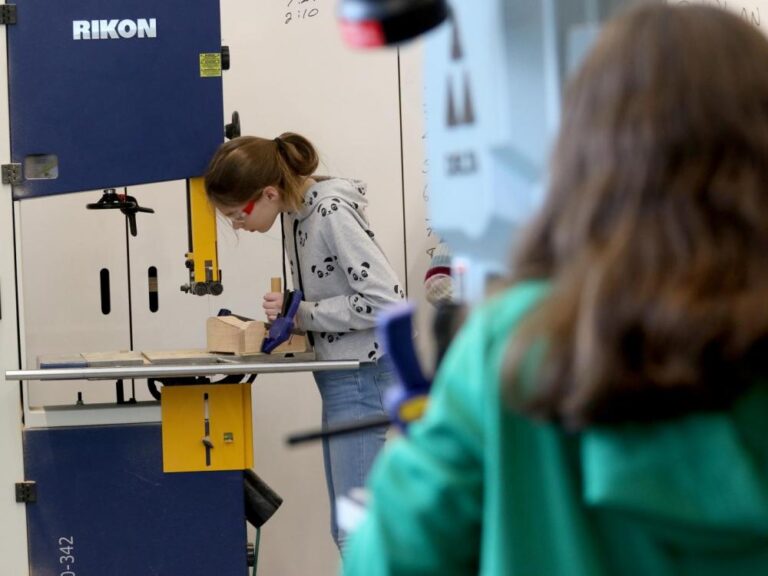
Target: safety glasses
x=239, y=217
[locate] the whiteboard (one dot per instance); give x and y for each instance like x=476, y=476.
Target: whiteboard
x=420, y=239
x=291, y=72
x=753, y=11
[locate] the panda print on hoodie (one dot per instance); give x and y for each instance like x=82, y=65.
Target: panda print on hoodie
x=344, y=275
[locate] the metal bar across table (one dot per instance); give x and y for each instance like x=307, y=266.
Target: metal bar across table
x=168, y=371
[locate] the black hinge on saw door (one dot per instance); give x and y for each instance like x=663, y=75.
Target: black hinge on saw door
x=26, y=492
x=11, y=174
x=7, y=14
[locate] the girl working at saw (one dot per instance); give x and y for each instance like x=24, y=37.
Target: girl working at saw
x=340, y=268
x=606, y=414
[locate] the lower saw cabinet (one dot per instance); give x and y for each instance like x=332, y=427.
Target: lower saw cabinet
x=103, y=506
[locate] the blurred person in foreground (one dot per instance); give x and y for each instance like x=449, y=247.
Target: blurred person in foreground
x=608, y=413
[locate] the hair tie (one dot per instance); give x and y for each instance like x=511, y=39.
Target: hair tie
x=279, y=142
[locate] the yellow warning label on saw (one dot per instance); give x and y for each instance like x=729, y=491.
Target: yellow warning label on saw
x=210, y=64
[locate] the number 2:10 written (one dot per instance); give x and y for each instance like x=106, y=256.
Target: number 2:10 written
x=298, y=13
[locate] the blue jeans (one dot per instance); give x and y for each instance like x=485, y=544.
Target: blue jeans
x=349, y=396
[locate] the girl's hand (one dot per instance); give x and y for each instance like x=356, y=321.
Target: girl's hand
x=273, y=305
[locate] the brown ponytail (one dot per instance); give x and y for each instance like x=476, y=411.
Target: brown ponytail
x=298, y=159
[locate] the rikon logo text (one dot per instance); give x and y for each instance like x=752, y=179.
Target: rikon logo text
x=114, y=29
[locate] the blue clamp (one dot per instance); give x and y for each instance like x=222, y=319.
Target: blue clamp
x=407, y=400
x=282, y=327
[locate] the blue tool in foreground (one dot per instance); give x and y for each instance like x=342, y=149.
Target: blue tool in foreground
x=280, y=330
x=407, y=400
x=404, y=401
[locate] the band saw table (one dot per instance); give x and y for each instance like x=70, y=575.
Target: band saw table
x=158, y=495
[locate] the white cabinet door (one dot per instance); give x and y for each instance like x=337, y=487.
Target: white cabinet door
x=74, y=289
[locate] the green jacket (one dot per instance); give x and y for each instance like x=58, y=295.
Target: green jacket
x=478, y=489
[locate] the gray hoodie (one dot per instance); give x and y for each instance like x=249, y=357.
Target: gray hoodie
x=342, y=271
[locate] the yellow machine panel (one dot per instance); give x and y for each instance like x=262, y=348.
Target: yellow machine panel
x=207, y=427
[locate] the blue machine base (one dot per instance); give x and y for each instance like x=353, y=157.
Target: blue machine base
x=105, y=506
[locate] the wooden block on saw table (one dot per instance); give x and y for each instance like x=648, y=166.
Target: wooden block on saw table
x=193, y=356
x=113, y=359
x=235, y=335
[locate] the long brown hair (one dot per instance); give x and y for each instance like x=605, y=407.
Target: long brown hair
x=654, y=233
x=241, y=169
